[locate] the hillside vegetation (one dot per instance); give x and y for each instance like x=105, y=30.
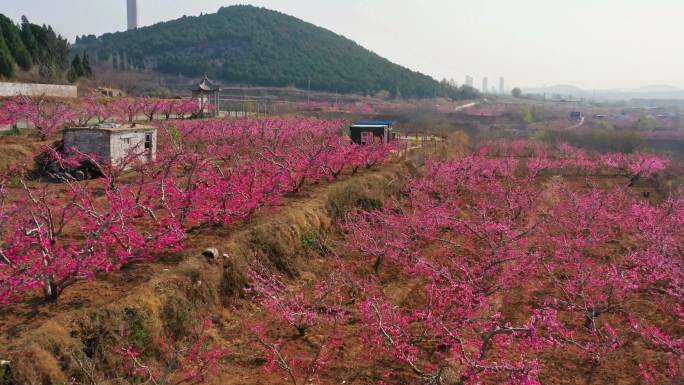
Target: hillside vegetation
x=25, y=46
x=245, y=44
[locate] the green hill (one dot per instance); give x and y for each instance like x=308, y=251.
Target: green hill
x=256, y=46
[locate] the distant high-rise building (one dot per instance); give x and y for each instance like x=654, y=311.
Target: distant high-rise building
x=485, y=88
x=502, y=89
x=469, y=80
x=132, y=14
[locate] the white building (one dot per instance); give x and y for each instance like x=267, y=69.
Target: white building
x=113, y=142
x=132, y=14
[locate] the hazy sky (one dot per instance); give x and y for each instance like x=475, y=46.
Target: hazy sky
x=589, y=43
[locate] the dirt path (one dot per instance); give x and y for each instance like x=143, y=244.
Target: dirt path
x=578, y=125
x=466, y=106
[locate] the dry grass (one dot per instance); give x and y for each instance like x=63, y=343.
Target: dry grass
x=20, y=150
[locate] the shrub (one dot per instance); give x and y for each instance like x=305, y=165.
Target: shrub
x=351, y=195
x=309, y=240
x=137, y=330
x=179, y=316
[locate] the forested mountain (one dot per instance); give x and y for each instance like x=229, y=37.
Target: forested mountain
x=250, y=45
x=27, y=45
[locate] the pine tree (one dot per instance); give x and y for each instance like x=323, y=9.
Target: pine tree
x=57, y=49
x=16, y=46
x=77, y=66
x=6, y=61
x=29, y=39
x=87, y=69
x=76, y=70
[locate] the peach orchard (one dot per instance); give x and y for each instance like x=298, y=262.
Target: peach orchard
x=507, y=262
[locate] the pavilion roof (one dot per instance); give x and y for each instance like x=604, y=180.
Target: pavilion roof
x=206, y=85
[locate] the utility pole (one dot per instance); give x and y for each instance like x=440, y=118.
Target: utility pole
x=308, y=93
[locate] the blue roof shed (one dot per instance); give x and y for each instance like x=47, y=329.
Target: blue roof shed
x=371, y=122
x=371, y=131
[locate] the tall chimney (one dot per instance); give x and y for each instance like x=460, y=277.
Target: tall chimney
x=132, y=14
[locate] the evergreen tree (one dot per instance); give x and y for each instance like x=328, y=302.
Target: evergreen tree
x=76, y=70
x=77, y=66
x=6, y=61
x=57, y=48
x=32, y=44
x=16, y=46
x=29, y=39
x=87, y=69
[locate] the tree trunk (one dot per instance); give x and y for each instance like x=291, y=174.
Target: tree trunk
x=50, y=289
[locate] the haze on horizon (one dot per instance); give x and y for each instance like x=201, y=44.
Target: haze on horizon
x=592, y=44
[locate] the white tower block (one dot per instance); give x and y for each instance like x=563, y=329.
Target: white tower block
x=132, y=14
